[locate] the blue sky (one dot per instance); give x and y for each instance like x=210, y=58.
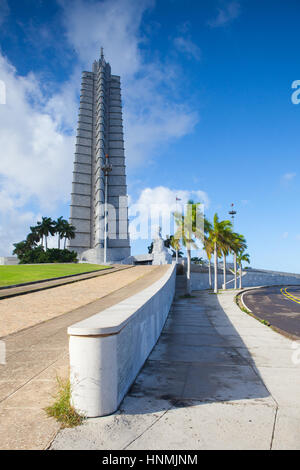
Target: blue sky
x=207, y=109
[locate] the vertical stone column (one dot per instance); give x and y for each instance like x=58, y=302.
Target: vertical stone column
x=117, y=188
x=80, y=215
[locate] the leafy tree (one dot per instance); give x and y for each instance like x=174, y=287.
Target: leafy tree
x=45, y=228
x=21, y=248
x=189, y=230
x=197, y=260
x=173, y=243
x=60, y=227
x=68, y=233
x=209, y=249
x=226, y=245
x=238, y=245
x=242, y=256
x=218, y=234
x=28, y=251
x=208, y=246
x=33, y=237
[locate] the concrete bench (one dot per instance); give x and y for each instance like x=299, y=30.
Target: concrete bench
x=108, y=349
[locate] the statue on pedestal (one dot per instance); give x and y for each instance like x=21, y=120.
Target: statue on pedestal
x=161, y=254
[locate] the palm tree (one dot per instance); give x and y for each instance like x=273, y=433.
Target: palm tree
x=60, y=226
x=46, y=228
x=238, y=245
x=218, y=235
x=175, y=244
x=69, y=233
x=226, y=246
x=208, y=246
x=40, y=231
x=209, y=249
x=240, y=258
x=189, y=228
x=33, y=237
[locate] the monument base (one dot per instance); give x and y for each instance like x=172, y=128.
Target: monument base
x=161, y=254
x=96, y=255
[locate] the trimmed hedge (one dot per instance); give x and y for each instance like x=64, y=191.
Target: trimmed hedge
x=52, y=255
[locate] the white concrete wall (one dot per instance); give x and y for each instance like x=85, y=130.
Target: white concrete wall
x=108, y=349
x=252, y=278
x=9, y=260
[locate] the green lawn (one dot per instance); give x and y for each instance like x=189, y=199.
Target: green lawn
x=21, y=273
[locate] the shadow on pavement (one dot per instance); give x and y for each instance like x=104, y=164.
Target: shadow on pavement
x=192, y=361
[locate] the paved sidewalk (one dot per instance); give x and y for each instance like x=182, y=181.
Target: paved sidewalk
x=217, y=379
x=37, y=355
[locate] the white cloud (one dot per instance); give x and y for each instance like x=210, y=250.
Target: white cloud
x=164, y=195
x=288, y=176
x=35, y=128
x=154, y=112
x=111, y=24
x=187, y=47
x=36, y=157
x=225, y=15
x=158, y=204
x=285, y=235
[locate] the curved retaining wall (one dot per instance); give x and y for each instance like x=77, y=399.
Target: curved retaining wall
x=252, y=278
x=108, y=349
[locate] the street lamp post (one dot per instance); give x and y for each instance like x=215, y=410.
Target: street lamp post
x=232, y=212
x=107, y=168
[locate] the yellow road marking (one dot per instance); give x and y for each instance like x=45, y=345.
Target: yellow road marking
x=289, y=296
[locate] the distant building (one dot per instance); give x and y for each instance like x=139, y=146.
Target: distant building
x=100, y=144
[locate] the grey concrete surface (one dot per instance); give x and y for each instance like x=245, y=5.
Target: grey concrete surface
x=36, y=356
x=217, y=379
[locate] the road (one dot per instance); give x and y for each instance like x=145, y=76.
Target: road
x=279, y=305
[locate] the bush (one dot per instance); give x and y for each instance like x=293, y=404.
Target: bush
x=38, y=255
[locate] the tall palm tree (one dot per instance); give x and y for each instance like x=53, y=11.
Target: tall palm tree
x=60, y=226
x=188, y=229
x=231, y=242
x=225, y=248
x=240, y=258
x=40, y=231
x=45, y=228
x=69, y=233
x=238, y=245
x=208, y=246
x=33, y=237
x=218, y=235
x=175, y=244
x=209, y=249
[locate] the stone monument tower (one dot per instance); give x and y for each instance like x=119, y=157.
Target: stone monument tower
x=99, y=192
